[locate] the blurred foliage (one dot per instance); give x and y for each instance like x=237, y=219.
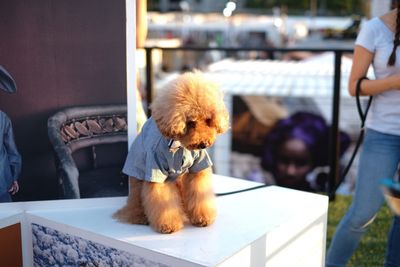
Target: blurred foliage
x=295, y=7
x=267, y=4
x=372, y=247
x=324, y=7
x=345, y=7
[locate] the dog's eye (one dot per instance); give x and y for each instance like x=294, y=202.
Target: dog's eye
x=190, y=124
x=209, y=122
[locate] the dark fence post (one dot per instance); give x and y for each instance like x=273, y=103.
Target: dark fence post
x=149, y=78
x=334, y=144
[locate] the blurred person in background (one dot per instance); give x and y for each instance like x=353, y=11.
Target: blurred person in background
x=296, y=152
x=10, y=159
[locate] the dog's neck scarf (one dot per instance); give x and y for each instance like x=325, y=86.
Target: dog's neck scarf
x=174, y=145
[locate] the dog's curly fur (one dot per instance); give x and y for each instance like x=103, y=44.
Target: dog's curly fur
x=190, y=110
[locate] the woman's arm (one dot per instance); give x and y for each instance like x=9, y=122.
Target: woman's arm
x=361, y=61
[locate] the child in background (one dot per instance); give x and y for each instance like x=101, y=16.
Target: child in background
x=296, y=152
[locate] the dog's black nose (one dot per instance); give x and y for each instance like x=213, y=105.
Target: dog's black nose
x=202, y=145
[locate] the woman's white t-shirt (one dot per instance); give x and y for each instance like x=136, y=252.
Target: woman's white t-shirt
x=384, y=114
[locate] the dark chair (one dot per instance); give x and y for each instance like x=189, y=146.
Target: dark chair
x=90, y=145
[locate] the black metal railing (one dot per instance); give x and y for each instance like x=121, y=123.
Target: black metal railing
x=334, y=145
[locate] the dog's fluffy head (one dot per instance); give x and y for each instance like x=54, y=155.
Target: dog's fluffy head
x=191, y=110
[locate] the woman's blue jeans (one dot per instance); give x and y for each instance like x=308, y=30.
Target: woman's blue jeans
x=379, y=158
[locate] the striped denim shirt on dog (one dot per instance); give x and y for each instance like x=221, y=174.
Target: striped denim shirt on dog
x=151, y=157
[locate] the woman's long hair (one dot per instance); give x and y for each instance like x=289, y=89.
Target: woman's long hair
x=396, y=40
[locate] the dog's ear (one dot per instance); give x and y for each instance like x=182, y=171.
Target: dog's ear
x=171, y=123
x=169, y=127
x=169, y=108
x=222, y=120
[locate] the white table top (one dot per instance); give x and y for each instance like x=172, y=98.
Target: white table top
x=242, y=219
x=9, y=214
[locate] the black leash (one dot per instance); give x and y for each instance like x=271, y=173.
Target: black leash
x=363, y=117
x=241, y=191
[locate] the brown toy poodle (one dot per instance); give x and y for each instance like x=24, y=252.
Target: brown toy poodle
x=169, y=168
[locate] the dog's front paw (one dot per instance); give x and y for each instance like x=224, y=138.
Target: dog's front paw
x=168, y=223
x=203, y=218
x=168, y=228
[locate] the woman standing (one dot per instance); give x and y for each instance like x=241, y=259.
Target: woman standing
x=376, y=44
